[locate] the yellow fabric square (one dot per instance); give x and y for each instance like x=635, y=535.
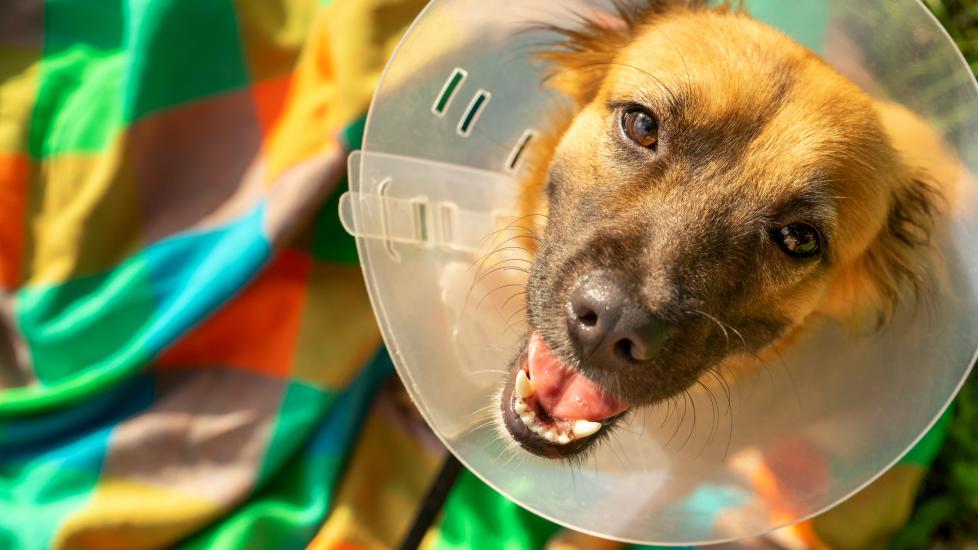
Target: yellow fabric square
x=19, y=69
x=339, y=333
x=348, y=46
x=82, y=216
x=273, y=34
x=126, y=514
x=871, y=517
x=389, y=473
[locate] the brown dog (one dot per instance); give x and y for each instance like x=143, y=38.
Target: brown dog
x=715, y=181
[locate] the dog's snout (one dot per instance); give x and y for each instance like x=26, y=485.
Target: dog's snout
x=609, y=326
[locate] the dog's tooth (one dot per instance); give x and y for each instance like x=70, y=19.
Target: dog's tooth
x=520, y=407
x=585, y=428
x=563, y=439
x=528, y=419
x=524, y=387
x=550, y=435
x=537, y=428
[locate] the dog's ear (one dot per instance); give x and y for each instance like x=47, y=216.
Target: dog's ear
x=896, y=263
x=580, y=57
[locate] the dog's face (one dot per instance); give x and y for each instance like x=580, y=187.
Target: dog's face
x=715, y=186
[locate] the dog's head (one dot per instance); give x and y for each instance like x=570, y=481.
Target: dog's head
x=715, y=186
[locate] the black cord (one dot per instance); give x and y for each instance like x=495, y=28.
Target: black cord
x=433, y=502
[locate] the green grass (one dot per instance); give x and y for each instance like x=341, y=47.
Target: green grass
x=960, y=18
x=946, y=510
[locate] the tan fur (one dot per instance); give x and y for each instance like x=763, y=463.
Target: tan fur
x=891, y=176
x=889, y=196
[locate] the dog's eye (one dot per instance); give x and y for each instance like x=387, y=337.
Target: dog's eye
x=798, y=239
x=640, y=126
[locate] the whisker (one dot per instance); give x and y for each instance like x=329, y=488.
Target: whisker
x=718, y=323
x=502, y=268
x=791, y=379
x=730, y=427
x=724, y=385
x=692, y=403
x=617, y=442
x=512, y=328
x=672, y=403
x=501, y=262
x=519, y=311
x=524, y=293
x=497, y=289
x=743, y=342
x=499, y=248
x=472, y=286
x=715, y=418
x=512, y=224
x=682, y=419
x=689, y=79
x=508, y=228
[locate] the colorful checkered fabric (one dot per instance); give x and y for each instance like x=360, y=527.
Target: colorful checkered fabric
x=187, y=354
x=183, y=320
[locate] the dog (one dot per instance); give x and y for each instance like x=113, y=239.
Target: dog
x=712, y=181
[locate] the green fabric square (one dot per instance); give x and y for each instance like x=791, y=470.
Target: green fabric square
x=927, y=449
x=79, y=95
x=36, y=498
x=284, y=514
x=179, y=51
x=352, y=135
x=299, y=475
x=806, y=21
x=93, y=24
x=477, y=517
x=330, y=242
x=302, y=407
x=86, y=323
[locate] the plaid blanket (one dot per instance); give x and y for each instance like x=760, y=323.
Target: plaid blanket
x=184, y=322
x=187, y=353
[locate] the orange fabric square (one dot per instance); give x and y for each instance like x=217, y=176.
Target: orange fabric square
x=257, y=331
x=314, y=110
x=14, y=174
x=269, y=96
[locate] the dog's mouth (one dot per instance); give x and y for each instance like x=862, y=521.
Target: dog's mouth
x=550, y=408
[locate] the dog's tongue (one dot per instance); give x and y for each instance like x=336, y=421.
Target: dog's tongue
x=562, y=391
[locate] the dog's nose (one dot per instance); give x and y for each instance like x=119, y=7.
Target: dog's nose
x=609, y=325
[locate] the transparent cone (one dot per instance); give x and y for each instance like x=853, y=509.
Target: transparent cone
x=432, y=202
